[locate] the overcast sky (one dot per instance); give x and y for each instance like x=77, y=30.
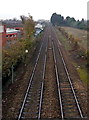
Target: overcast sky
x=43, y=9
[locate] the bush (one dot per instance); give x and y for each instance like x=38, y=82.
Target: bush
x=16, y=52
x=14, y=55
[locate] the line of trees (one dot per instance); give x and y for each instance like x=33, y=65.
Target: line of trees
x=10, y=23
x=57, y=19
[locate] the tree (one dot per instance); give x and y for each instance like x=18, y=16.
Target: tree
x=70, y=21
x=28, y=25
x=22, y=18
x=82, y=24
x=16, y=53
x=57, y=19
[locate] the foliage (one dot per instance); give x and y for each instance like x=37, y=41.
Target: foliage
x=70, y=22
x=10, y=23
x=16, y=52
x=82, y=24
x=59, y=20
x=83, y=74
x=14, y=55
x=28, y=25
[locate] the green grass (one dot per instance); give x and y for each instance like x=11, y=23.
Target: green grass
x=83, y=74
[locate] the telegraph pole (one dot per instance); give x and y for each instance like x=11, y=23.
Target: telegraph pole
x=12, y=67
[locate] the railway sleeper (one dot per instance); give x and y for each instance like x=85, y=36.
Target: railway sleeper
x=64, y=92
x=32, y=104
x=29, y=112
x=72, y=117
x=71, y=111
x=70, y=108
x=68, y=95
x=28, y=98
x=35, y=96
x=30, y=117
x=65, y=83
x=68, y=100
x=28, y=109
x=25, y=118
x=62, y=87
x=67, y=104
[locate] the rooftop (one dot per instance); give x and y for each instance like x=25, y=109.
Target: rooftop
x=9, y=30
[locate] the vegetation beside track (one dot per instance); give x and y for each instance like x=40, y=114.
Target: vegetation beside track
x=16, y=53
x=75, y=42
x=83, y=74
x=76, y=35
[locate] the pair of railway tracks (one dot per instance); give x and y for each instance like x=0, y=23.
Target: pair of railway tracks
x=68, y=102
x=32, y=103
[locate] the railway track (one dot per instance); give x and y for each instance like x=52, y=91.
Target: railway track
x=31, y=106
x=69, y=104
x=50, y=105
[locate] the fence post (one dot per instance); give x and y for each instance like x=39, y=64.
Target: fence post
x=12, y=73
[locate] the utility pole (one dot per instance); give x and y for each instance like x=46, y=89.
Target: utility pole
x=12, y=73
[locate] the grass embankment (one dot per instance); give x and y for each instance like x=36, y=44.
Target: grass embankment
x=83, y=74
x=69, y=45
x=82, y=71
x=64, y=41
x=79, y=35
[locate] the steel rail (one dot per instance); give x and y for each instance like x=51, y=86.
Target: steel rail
x=24, y=101
x=57, y=77
x=68, y=76
x=41, y=98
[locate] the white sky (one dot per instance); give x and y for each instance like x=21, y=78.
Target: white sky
x=43, y=9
